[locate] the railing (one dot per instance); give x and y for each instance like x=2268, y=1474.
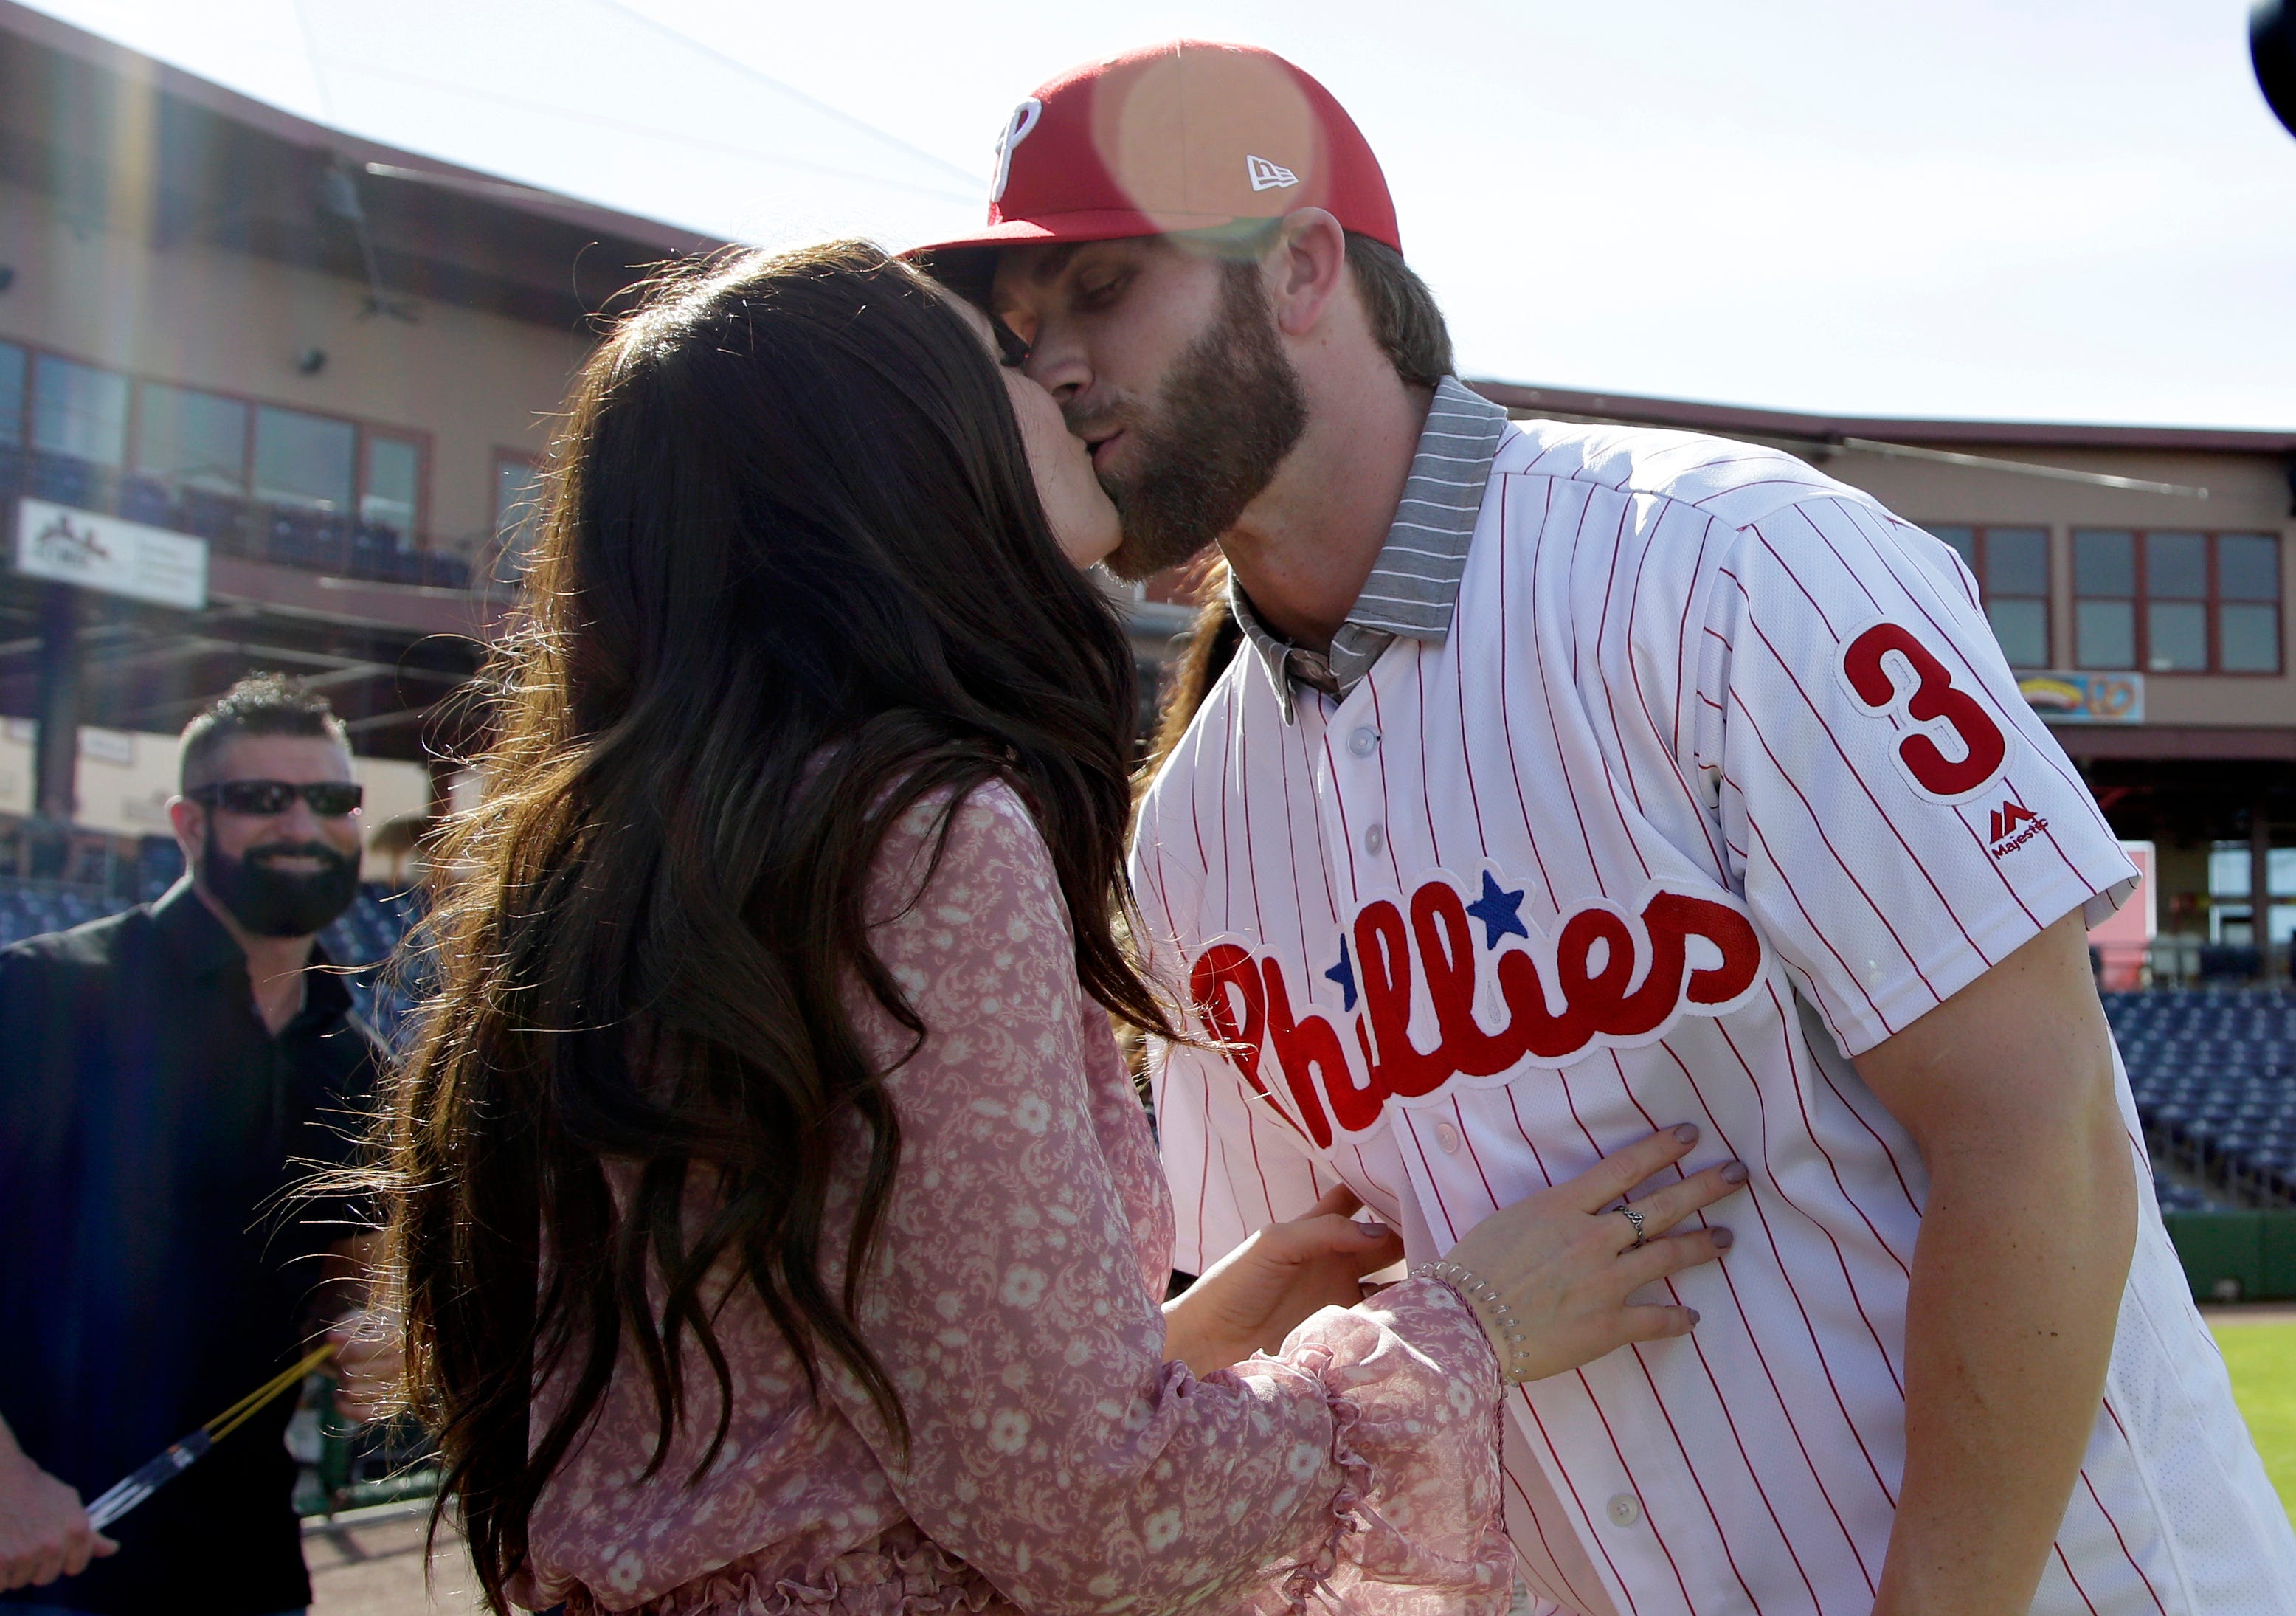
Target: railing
x=315, y=541
x=340, y=1465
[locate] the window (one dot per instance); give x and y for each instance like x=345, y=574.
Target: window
x=2248, y=603
x=517, y=490
x=390, y=490
x=2177, y=601
x=194, y=438
x=78, y=410
x=2012, y=569
x=2104, y=600
x=12, y=393
x=188, y=438
x=304, y=460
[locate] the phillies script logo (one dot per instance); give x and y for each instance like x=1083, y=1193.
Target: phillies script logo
x=1609, y=977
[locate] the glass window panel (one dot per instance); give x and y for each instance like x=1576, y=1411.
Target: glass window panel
x=192, y=438
x=1963, y=541
x=303, y=460
x=2250, y=635
x=2023, y=627
x=78, y=410
x=2104, y=563
x=2017, y=561
x=12, y=393
x=514, y=493
x=394, y=469
x=2104, y=634
x=2248, y=567
x=2177, y=636
x=517, y=505
x=2176, y=567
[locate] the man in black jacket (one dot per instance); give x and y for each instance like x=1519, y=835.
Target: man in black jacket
x=168, y=1077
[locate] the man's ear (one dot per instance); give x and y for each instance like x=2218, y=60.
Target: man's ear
x=188, y=820
x=1305, y=269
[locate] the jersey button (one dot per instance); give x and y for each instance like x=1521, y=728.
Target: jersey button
x=1374, y=838
x=1447, y=1138
x=1364, y=741
x=1624, y=1510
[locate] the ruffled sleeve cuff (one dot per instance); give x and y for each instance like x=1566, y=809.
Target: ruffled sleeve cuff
x=1413, y=1391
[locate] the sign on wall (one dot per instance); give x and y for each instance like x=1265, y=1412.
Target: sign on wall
x=98, y=552
x=2085, y=698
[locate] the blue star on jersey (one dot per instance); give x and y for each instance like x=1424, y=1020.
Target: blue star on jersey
x=1344, y=973
x=1500, y=911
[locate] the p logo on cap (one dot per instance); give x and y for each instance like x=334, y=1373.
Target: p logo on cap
x=1185, y=135
x=1024, y=118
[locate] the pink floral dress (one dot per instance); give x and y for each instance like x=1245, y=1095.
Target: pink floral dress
x=1056, y=1462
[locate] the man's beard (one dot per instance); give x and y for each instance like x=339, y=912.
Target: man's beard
x=280, y=903
x=1229, y=412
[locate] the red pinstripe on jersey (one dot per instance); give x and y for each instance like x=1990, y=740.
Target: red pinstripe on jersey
x=1652, y=626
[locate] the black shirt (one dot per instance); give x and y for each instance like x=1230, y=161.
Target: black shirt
x=153, y=1268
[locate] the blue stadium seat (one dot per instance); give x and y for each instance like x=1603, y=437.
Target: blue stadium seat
x=2213, y=1070
x=366, y=935
x=145, y=500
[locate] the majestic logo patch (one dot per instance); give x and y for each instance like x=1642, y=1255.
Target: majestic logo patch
x=1266, y=175
x=1452, y=986
x=2007, y=837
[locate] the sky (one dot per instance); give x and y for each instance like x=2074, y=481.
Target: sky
x=2052, y=210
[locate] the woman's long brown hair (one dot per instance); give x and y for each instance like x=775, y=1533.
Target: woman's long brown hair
x=1211, y=643
x=792, y=578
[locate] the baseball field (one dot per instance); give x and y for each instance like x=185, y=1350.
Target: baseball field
x=2261, y=1350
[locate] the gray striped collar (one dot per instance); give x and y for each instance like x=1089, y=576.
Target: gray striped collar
x=1414, y=582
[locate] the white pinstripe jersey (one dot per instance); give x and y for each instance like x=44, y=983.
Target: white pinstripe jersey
x=1717, y=779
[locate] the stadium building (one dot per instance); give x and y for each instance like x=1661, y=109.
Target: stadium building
x=272, y=395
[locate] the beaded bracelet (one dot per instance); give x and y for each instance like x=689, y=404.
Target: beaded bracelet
x=1478, y=1291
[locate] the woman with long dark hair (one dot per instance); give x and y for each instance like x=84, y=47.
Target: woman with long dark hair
x=776, y=1227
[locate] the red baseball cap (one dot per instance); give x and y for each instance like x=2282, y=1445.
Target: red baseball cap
x=1184, y=135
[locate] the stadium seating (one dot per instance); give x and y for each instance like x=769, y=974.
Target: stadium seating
x=27, y=910
x=2214, y=1074
x=366, y=934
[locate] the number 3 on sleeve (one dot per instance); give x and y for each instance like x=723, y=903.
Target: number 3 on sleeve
x=1933, y=697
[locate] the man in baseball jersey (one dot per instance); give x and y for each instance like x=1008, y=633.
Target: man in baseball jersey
x=1581, y=780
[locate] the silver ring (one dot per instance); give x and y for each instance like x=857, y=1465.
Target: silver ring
x=1635, y=1219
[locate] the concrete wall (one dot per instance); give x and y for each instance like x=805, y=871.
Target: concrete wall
x=472, y=382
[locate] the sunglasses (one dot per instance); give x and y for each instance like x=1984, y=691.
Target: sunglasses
x=329, y=799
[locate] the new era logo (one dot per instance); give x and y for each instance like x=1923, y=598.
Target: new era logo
x=1266, y=175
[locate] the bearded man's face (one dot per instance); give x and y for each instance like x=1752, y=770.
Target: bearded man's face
x=283, y=874
x=1182, y=388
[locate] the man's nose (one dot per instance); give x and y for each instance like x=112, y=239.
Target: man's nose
x=1057, y=363
x=298, y=823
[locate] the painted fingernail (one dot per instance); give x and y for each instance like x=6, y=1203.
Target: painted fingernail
x=1735, y=1173
x=1687, y=1133
x=1723, y=1239
x=1693, y=1318
x=1374, y=1231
